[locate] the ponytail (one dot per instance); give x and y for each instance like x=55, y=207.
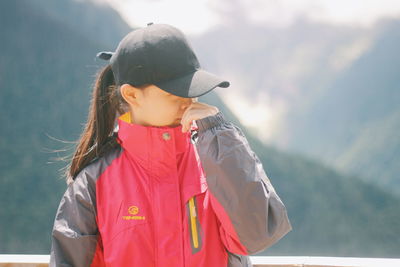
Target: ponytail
x=98, y=136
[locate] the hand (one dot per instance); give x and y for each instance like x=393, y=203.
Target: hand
x=196, y=111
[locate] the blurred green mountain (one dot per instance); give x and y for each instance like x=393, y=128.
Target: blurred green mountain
x=91, y=19
x=326, y=91
x=47, y=70
x=353, y=123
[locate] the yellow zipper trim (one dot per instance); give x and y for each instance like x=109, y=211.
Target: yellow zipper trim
x=192, y=211
x=126, y=117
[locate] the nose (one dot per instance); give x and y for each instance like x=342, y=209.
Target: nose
x=186, y=102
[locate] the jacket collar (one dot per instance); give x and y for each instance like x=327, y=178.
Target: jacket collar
x=149, y=143
x=161, y=150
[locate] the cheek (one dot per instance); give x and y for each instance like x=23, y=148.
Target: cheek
x=173, y=109
x=163, y=111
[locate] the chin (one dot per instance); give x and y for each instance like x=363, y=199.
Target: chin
x=175, y=124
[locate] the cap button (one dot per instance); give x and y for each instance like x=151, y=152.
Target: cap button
x=150, y=23
x=166, y=136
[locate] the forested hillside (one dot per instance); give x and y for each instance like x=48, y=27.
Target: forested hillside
x=354, y=124
x=325, y=90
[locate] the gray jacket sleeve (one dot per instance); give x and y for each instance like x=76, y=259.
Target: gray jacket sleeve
x=251, y=214
x=74, y=235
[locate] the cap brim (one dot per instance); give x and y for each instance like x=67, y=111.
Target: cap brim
x=194, y=84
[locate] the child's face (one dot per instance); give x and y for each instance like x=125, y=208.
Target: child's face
x=152, y=106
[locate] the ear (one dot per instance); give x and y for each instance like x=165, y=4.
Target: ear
x=130, y=94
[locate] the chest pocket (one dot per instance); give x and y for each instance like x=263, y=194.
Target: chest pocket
x=125, y=220
x=195, y=229
x=132, y=213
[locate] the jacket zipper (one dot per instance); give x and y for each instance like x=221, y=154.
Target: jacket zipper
x=193, y=215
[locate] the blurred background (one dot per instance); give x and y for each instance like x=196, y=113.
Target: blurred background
x=314, y=85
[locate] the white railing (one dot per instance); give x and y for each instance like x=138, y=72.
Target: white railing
x=20, y=260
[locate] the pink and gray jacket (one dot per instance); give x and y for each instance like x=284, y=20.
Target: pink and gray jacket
x=162, y=198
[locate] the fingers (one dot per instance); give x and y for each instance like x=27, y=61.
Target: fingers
x=185, y=125
x=195, y=111
x=186, y=120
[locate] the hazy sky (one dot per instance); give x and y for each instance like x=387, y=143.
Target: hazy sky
x=195, y=17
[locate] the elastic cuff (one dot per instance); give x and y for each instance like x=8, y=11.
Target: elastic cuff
x=210, y=121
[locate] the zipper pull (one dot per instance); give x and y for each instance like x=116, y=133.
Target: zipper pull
x=194, y=214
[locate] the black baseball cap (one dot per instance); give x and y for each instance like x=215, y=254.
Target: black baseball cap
x=160, y=54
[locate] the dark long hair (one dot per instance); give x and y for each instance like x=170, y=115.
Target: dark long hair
x=98, y=136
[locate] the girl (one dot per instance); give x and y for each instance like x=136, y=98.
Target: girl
x=158, y=178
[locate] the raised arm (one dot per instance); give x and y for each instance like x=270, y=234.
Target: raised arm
x=251, y=214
